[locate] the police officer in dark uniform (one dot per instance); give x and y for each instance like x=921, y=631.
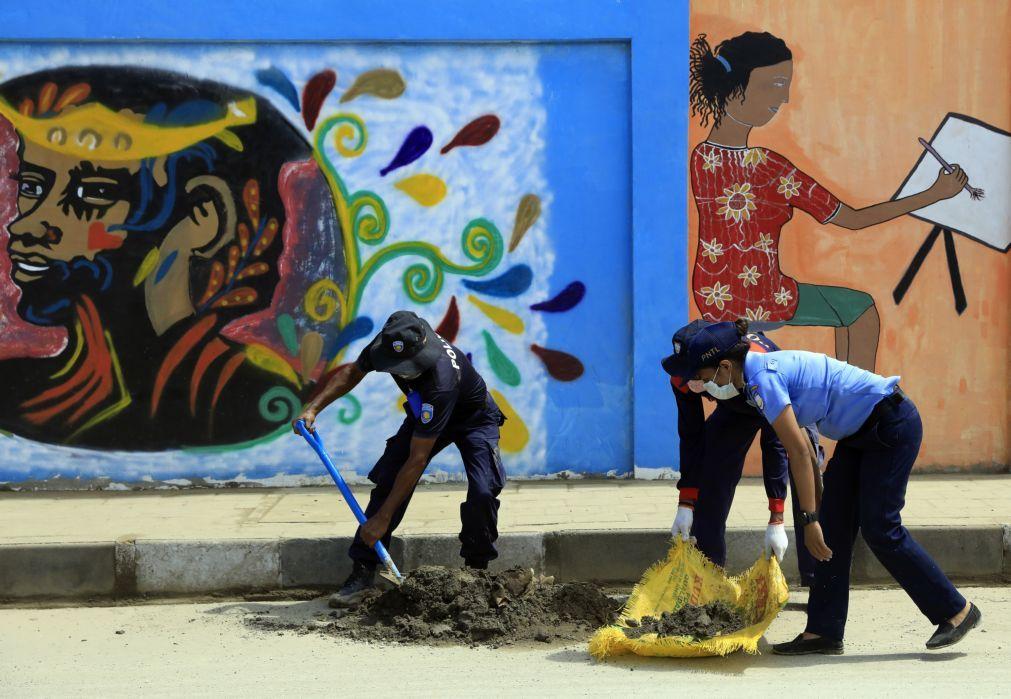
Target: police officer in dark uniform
x=447, y=403
x=712, y=459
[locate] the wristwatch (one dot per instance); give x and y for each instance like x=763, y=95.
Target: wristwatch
x=808, y=517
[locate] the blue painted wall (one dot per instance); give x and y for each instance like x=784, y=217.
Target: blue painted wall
x=613, y=90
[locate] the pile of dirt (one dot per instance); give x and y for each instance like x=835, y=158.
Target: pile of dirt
x=713, y=619
x=436, y=605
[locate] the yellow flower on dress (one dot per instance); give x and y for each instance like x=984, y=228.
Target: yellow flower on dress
x=712, y=249
x=738, y=202
x=712, y=160
x=788, y=187
x=755, y=157
x=764, y=242
x=750, y=275
x=716, y=294
x=757, y=314
x=783, y=296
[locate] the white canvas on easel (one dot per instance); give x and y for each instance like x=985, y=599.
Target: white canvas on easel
x=984, y=153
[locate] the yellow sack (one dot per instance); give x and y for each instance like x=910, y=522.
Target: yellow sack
x=688, y=577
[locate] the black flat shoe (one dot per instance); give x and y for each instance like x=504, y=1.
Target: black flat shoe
x=948, y=635
x=809, y=646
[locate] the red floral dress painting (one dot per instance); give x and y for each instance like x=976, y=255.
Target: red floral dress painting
x=744, y=197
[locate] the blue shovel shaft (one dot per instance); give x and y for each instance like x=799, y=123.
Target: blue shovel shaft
x=317, y=444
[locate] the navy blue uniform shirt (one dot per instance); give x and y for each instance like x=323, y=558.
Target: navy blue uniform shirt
x=450, y=394
x=692, y=418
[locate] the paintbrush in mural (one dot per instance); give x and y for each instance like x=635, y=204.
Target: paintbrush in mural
x=975, y=193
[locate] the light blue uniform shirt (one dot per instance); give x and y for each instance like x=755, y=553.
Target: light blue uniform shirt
x=825, y=393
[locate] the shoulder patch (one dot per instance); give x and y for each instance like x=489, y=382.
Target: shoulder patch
x=772, y=364
x=427, y=413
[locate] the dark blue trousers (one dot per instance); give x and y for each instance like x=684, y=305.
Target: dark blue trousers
x=865, y=489
x=729, y=434
x=478, y=445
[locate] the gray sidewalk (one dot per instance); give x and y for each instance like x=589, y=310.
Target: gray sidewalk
x=64, y=545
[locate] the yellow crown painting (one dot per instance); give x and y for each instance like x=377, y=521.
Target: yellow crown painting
x=95, y=131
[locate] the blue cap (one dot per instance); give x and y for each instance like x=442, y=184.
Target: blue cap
x=699, y=343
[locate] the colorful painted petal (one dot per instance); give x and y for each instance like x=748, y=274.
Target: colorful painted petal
x=381, y=82
x=450, y=324
x=269, y=360
x=286, y=329
x=561, y=365
x=214, y=283
x=315, y=92
x=527, y=214
x=427, y=190
x=355, y=330
x=567, y=299
x=503, y=367
x=251, y=200
x=506, y=320
x=310, y=353
x=266, y=237
x=165, y=266
x=243, y=296
x=476, y=133
x=512, y=283
x=514, y=434
x=230, y=139
x=276, y=80
x=146, y=267
x=414, y=146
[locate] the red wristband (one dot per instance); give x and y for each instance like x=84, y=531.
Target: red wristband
x=689, y=495
x=776, y=505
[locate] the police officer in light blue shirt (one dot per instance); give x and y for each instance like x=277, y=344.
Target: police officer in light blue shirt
x=879, y=433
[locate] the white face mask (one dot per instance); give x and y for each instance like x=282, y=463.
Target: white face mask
x=721, y=392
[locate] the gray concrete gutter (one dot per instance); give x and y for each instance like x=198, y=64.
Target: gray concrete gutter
x=165, y=568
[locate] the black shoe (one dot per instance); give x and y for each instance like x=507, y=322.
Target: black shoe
x=809, y=646
x=358, y=584
x=475, y=565
x=948, y=635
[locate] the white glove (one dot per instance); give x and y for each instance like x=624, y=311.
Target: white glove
x=776, y=541
x=682, y=523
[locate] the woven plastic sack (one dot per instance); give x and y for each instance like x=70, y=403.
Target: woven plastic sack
x=688, y=577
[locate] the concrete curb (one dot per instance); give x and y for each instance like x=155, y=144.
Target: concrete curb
x=161, y=568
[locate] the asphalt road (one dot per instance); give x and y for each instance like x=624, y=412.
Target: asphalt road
x=205, y=649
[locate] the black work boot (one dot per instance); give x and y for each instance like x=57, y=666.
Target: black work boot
x=948, y=635
x=358, y=584
x=809, y=646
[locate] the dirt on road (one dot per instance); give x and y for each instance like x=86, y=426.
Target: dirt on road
x=436, y=605
x=698, y=622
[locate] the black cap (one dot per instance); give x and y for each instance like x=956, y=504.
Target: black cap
x=697, y=343
x=406, y=346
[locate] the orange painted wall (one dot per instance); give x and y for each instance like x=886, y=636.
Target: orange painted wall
x=870, y=76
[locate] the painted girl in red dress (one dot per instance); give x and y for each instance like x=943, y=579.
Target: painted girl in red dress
x=745, y=195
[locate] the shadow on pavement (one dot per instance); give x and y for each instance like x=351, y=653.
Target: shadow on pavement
x=738, y=663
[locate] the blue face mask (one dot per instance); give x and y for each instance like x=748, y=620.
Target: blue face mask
x=721, y=392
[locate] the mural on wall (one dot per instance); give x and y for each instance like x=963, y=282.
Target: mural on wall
x=747, y=194
x=189, y=259
x=787, y=116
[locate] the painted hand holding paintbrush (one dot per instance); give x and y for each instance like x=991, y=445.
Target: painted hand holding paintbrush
x=952, y=179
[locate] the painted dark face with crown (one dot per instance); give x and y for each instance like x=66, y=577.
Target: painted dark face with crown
x=96, y=195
